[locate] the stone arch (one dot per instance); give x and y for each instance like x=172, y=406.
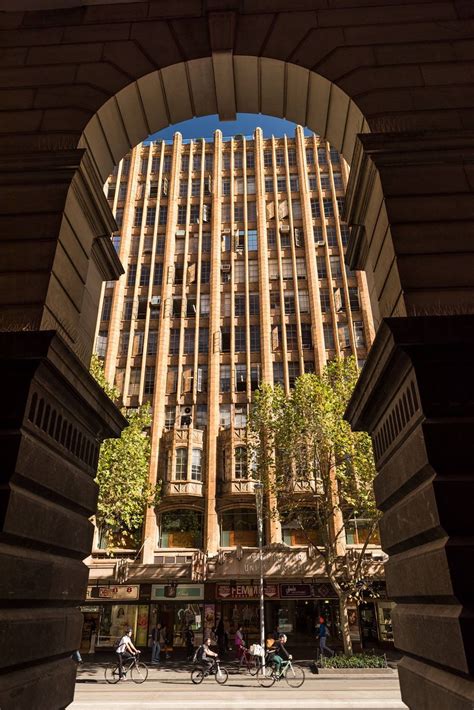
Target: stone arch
x=406, y=67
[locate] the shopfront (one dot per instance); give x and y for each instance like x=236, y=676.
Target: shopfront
x=293, y=609
x=177, y=607
x=109, y=611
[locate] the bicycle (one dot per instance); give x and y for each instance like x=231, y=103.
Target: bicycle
x=138, y=671
x=221, y=675
x=294, y=675
x=250, y=662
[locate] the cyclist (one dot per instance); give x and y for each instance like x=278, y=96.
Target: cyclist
x=125, y=651
x=281, y=654
x=205, y=656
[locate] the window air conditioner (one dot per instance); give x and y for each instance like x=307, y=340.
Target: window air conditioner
x=225, y=267
x=321, y=243
x=155, y=301
x=186, y=411
x=284, y=228
x=181, y=233
x=226, y=230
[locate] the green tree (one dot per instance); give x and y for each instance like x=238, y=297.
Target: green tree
x=122, y=474
x=318, y=472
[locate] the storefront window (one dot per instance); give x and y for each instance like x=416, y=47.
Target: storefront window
x=385, y=620
x=114, y=621
x=358, y=530
x=181, y=528
x=239, y=527
x=176, y=617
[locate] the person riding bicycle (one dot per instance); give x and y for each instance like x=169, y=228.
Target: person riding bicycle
x=205, y=656
x=280, y=653
x=125, y=651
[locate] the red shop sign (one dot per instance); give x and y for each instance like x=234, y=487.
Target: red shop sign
x=245, y=591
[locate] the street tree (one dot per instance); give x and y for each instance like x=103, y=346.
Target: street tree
x=318, y=473
x=125, y=491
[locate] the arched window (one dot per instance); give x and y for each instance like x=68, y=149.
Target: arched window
x=196, y=465
x=181, y=528
x=181, y=470
x=239, y=527
x=240, y=457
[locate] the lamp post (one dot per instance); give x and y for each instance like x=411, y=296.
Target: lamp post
x=258, y=488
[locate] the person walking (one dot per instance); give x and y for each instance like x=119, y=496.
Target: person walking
x=155, y=644
x=189, y=639
x=324, y=634
x=239, y=643
x=125, y=651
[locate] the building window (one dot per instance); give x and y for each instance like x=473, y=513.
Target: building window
x=328, y=336
x=240, y=339
x=239, y=527
x=252, y=240
x=338, y=184
x=359, y=334
x=354, y=298
x=293, y=372
x=106, y=308
x=291, y=336
x=240, y=459
x=224, y=415
x=189, y=334
x=289, y=301
x=127, y=309
x=313, y=183
x=268, y=183
x=271, y=237
x=124, y=340
x=158, y=274
x=225, y=378
x=225, y=212
x=325, y=300
x=183, y=188
x=328, y=207
x=267, y=158
x=241, y=377
x=167, y=163
x=345, y=234
x=134, y=384
x=306, y=339
x=239, y=304
x=278, y=376
x=281, y=183
x=322, y=270
x=331, y=233
x=182, y=212
x=152, y=344
x=137, y=220
x=155, y=163
x=225, y=339
x=335, y=264
x=252, y=211
x=226, y=187
x=204, y=304
x=315, y=209
x=226, y=161
x=322, y=156
x=240, y=416
x=280, y=157
x=181, y=528
x=254, y=304
x=144, y=275
x=181, y=468
x=116, y=240
x=163, y=214
x=238, y=212
x=294, y=183
x=325, y=182
x=196, y=465
x=201, y=416
x=291, y=157
x=170, y=414
x=341, y=205
x=174, y=341
x=149, y=384
x=303, y=299
x=205, y=271
x=160, y=244
x=101, y=343
x=344, y=339
x=203, y=340
x=309, y=156
x=250, y=159
x=238, y=160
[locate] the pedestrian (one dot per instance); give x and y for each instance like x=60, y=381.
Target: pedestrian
x=239, y=643
x=125, y=651
x=155, y=644
x=323, y=633
x=189, y=639
x=220, y=633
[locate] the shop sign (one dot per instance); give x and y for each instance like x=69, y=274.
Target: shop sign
x=123, y=592
x=245, y=591
x=307, y=591
x=180, y=591
x=90, y=609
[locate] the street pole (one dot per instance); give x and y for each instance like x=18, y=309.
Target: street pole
x=258, y=488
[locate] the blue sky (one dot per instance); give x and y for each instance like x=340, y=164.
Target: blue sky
x=246, y=123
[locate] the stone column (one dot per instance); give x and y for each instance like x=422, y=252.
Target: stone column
x=416, y=398
x=411, y=206
x=55, y=251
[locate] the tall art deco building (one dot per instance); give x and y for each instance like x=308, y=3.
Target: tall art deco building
x=233, y=252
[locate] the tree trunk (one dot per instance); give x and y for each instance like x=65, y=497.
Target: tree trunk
x=346, y=636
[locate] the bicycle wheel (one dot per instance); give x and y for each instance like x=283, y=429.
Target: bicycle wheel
x=221, y=675
x=112, y=673
x=139, y=672
x=254, y=665
x=294, y=676
x=197, y=676
x=266, y=677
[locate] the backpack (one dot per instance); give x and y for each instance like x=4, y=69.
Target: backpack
x=197, y=658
